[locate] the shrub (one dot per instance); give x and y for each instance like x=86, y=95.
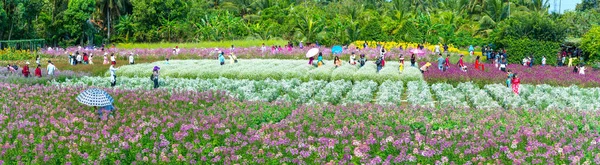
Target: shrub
x=591, y=44
x=519, y=49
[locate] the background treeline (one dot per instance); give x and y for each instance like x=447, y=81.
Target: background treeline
x=458, y=22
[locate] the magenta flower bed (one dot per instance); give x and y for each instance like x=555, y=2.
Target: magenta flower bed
x=559, y=76
x=247, y=53
x=45, y=125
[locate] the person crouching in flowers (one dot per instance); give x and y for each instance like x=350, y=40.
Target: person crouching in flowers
x=155, y=75
x=109, y=108
x=425, y=67
x=320, y=60
x=515, y=83
x=337, y=62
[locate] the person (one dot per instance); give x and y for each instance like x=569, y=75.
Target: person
x=177, y=50
x=413, y=60
x=352, y=60
x=85, y=58
x=131, y=59
x=337, y=62
x=79, y=59
x=461, y=63
x=531, y=60
x=51, y=68
x=515, y=83
x=91, y=59
x=441, y=62
x=576, y=69
x=155, y=76
x=109, y=108
x=365, y=45
x=401, y=62
x=221, y=58
x=543, y=60
x=320, y=60
x=471, y=50
x=310, y=60
x=503, y=65
x=105, y=59
x=10, y=68
x=425, y=67
x=447, y=63
x=38, y=71
x=232, y=58
x=581, y=69
x=477, y=63
x=14, y=66
x=300, y=45
x=362, y=60
x=509, y=76
x=446, y=48
x=231, y=49
x=379, y=63
x=564, y=58
x=38, y=58
x=263, y=49
x=570, y=60
x=525, y=62
x=113, y=75
x=113, y=61
x=25, y=70
x=437, y=49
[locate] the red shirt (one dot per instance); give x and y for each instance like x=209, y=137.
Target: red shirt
x=516, y=81
x=85, y=58
x=25, y=70
x=461, y=63
x=38, y=72
x=447, y=61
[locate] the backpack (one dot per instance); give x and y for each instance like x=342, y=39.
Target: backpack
x=152, y=76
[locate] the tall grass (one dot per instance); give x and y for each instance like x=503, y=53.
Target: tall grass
x=204, y=44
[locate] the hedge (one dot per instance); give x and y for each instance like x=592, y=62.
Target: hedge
x=521, y=48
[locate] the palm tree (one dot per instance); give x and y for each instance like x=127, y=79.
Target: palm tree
x=126, y=25
x=106, y=7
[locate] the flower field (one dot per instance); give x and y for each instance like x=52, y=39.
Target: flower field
x=412, y=93
x=256, y=69
x=45, y=125
x=554, y=76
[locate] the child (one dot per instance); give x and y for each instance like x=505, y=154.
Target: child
x=401, y=61
x=515, y=83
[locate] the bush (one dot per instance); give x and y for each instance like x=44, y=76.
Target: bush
x=519, y=49
x=591, y=44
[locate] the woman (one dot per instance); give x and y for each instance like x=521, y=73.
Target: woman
x=10, y=68
x=461, y=64
x=412, y=60
x=362, y=60
x=232, y=58
x=320, y=60
x=113, y=74
x=310, y=60
x=352, y=59
x=91, y=60
x=109, y=108
x=401, y=62
x=221, y=58
x=477, y=63
x=155, y=75
x=515, y=83
x=379, y=63
x=25, y=70
x=71, y=59
x=38, y=58
x=503, y=65
x=131, y=59
x=105, y=59
x=509, y=76
x=38, y=71
x=113, y=61
x=86, y=58
x=447, y=63
x=337, y=62
x=425, y=67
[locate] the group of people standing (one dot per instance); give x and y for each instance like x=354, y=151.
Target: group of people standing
x=25, y=70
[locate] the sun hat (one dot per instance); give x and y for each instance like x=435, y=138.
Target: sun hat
x=27, y=63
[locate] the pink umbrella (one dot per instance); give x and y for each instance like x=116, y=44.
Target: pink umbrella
x=418, y=51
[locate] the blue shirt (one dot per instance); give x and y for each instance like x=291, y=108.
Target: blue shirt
x=441, y=61
x=221, y=58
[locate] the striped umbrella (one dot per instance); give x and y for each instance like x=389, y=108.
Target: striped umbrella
x=95, y=97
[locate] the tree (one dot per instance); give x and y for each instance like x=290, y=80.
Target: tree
x=110, y=9
x=588, y=5
x=590, y=44
x=76, y=17
x=125, y=26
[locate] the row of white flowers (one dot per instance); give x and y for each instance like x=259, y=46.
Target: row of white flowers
x=389, y=92
x=259, y=69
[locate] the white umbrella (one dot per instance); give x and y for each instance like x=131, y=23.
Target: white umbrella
x=95, y=97
x=312, y=52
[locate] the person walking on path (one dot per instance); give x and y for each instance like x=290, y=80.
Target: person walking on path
x=515, y=83
x=113, y=75
x=447, y=63
x=91, y=60
x=25, y=70
x=401, y=61
x=131, y=59
x=221, y=59
x=441, y=62
x=155, y=75
x=38, y=71
x=461, y=64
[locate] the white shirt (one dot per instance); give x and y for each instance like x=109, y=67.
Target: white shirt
x=79, y=58
x=437, y=48
x=176, y=51
x=544, y=60
x=112, y=58
x=51, y=68
x=130, y=58
x=263, y=49
x=582, y=70
x=113, y=71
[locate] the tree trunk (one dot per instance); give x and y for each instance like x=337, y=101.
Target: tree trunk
x=108, y=17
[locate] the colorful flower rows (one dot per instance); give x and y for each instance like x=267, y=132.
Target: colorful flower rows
x=45, y=125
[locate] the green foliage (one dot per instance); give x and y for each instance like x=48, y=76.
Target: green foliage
x=591, y=44
x=521, y=48
x=76, y=17
x=534, y=26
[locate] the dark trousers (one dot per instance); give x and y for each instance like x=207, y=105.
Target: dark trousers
x=113, y=83
x=155, y=83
